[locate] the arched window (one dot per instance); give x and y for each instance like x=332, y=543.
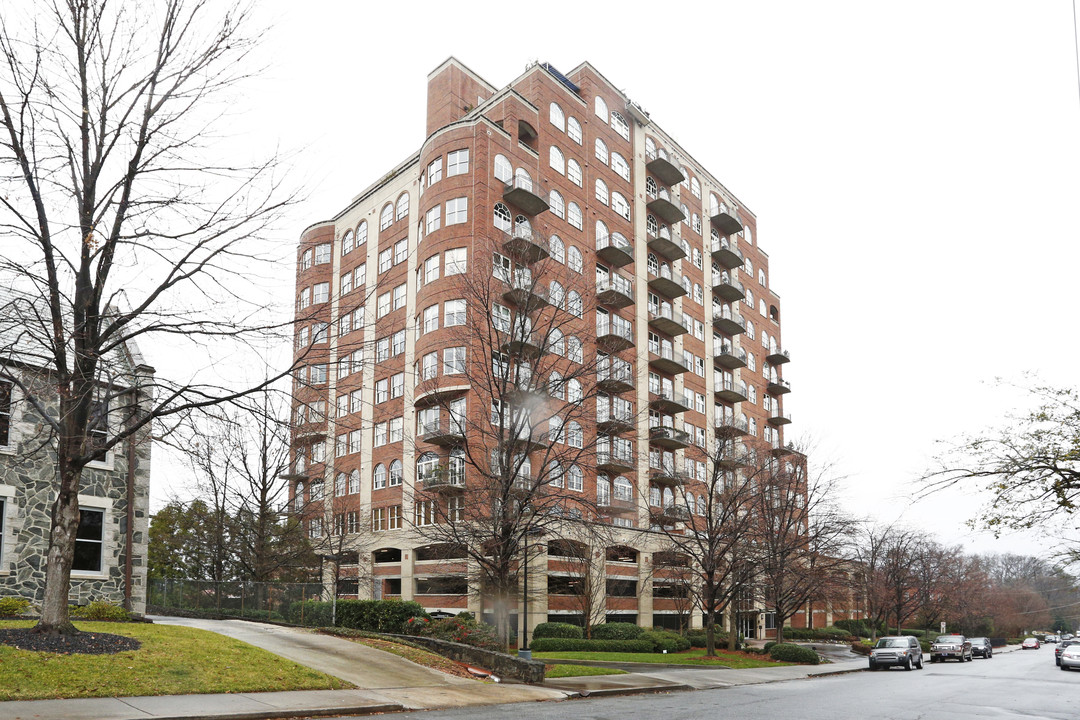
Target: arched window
x=557, y=204
x=573, y=215
x=403, y=206
x=650, y=187
x=685, y=182
x=750, y=329
x=361, y=233
x=714, y=204
x=574, y=349
x=298, y=500
x=395, y=473
x=687, y=285
x=575, y=479
x=669, y=498
x=654, y=495
x=556, y=294
x=556, y=247
x=748, y=267
x=457, y=463
x=619, y=125
x=620, y=166
x=573, y=129
x=774, y=314
x=573, y=303
x=651, y=226
x=695, y=187
x=347, y=242
x=555, y=381
x=573, y=171
x=427, y=466
x=354, y=482
x=696, y=223
x=685, y=214
x=620, y=205
x=603, y=491
x=762, y=309
x=502, y=218
x=601, y=151
x=522, y=227
x=699, y=296
x=378, y=477
x=601, y=231
x=749, y=299
x=652, y=264
x=761, y=278
x=523, y=179
x=573, y=390
x=503, y=169
x=556, y=343
x=386, y=217
x=573, y=259
x=650, y=147
x=624, y=489
x=339, y=485
x=601, y=191
x=555, y=114
x=601, y=108
x=555, y=473
x=620, y=241
x=556, y=160
x=747, y=235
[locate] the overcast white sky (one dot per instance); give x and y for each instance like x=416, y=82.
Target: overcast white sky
x=913, y=168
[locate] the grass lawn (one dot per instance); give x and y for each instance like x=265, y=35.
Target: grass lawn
x=173, y=660
x=690, y=657
x=561, y=671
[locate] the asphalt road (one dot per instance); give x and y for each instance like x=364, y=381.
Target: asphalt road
x=1021, y=684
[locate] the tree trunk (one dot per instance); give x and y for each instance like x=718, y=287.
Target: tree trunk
x=710, y=633
x=733, y=628
x=65, y=524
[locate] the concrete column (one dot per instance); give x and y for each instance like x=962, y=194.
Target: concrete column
x=408, y=587
x=645, y=599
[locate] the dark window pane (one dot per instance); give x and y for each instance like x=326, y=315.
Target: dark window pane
x=87, y=556
x=90, y=525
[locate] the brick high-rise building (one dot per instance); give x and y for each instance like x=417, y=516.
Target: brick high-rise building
x=563, y=193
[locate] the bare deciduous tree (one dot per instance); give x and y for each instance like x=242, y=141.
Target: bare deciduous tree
x=124, y=220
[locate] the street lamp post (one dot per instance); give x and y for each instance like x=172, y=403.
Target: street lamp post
x=524, y=650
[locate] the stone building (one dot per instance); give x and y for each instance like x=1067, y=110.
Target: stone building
x=110, y=551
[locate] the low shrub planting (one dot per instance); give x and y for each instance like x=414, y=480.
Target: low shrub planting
x=788, y=652
x=574, y=645
x=861, y=648
x=461, y=629
x=557, y=630
x=697, y=638
x=860, y=628
x=13, y=606
x=824, y=634
x=99, y=610
x=388, y=616
x=666, y=640
x=769, y=645
x=617, y=631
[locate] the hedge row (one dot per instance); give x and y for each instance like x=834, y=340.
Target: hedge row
x=388, y=616
x=788, y=652
x=576, y=645
x=825, y=633
x=557, y=630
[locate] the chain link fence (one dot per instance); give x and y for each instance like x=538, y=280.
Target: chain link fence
x=279, y=602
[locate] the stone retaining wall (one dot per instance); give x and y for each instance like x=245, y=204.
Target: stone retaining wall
x=501, y=664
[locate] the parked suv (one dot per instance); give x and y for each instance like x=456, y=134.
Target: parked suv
x=981, y=646
x=950, y=646
x=903, y=650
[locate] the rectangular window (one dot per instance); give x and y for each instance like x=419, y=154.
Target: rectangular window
x=380, y=434
x=382, y=306
x=454, y=361
x=386, y=260
x=382, y=349
x=318, y=455
x=429, y=366
x=360, y=276
x=431, y=318
x=399, y=296
x=382, y=390
x=378, y=519
x=346, y=283
x=401, y=250
x=305, y=299
x=89, y=540
x=434, y=171
x=317, y=374
x=321, y=293
x=431, y=269
x=397, y=427
x=425, y=513
x=398, y=343
x=319, y=333
x=344, y=325
x=341, y=445
x=501, y=267
x=5, y=417
x=352, y=519
x=457, y=163
x=456, y=261
x=454, y=313
x=305, y=260
x=457, y=211
x=315, y=528
x=322, y=254
x=397, y=385
x=355, y=443
x=395, y=517
x=356, y=401
x=342, y=405
x=433, y=219
x=500, y=318
x=455, y=509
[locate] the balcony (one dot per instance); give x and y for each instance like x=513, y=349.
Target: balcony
x=732, y=391
x=614, y=337
x=777, y=356
x=525, y=245
x=778, y=386
x=728, y=356
x=663, y=360
x=670, y=514
x=615, y=291
x=613, y=252
x=778, y=417
x=437, y=433
x=616, y=380
x=614, y=462
x=524, y=194
x=529, y=345
x=666, y=474
x=666, y=243
x=665, y=284
x=727, y=287
x=733, y=460
x=527, y=294
x=526, y=391
x=726, y=220
x=526, y=439
x=728, y=427
x=728, y=322
x=669, y=438
x=670, y=402
x=663, y=206
x=308, y=433
x=449, y=482
x=614, y=421
x=664, y=167
x=668, y=321
x=439, y=393
x=727, y=255
x=779, y=450
x=616, y=506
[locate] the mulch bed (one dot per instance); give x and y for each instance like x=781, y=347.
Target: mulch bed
x=84, y=642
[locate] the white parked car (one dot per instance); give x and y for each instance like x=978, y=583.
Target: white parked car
x=1070, y=657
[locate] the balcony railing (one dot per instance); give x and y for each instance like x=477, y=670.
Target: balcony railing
x=525, y=245
x=664, y=167
x=615, y=379
x=671, y=513
x=438, y=433
x=669, y=321
x=664, y=283
x=526, y=293
x=615, y=291
x=670, y=401
x=779, y=417
x=727, y=287
x=777, y=356
x=663, y=206
x=728, y=322
x=614, y=460
x=667, y=243
x=443, y=480
x=523, y=193
x=614, y=420
x=666, y=361
x=727, y=254
x=778, y=386
x=726, y=426
x=732, y=391
x=614, y=336
x=669, y=437
x=617, y=253
x=727, y=355
x=524, y=344
x=726, y=220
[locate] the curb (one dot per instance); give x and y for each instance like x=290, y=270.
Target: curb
x=614, y=692
x=270, y=714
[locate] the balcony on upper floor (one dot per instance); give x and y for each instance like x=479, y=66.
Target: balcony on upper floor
x=526, y=293
x=664, y=283
x=778, y=417
x=670, y=402
x=777, y=356
x=726, y=254
x=525, y=245
x=664, y=167
x=523, y=344
x=525, y=194
x=613, y=335
x=664, y=360
x=664, y=319
x=727, y=287
x=664, y=473
x=615, y=380
x=669, y=438
x=732, y=391
x=733, y=459
x=670, y=514
x=726, y=219
x=614, y=420
x=664, y=241
x=663, y=205
x=611, y=505
x=447, y=433
x=443, y=481
x=726, y=355
x=778, y=386
x=614, y=252
x=614, y=461
x=728, y=322
x=728, y=426
x=615, y=291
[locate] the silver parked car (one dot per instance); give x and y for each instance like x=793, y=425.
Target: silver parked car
x=902, y=650
x=950, y=646
x=1070, y=658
